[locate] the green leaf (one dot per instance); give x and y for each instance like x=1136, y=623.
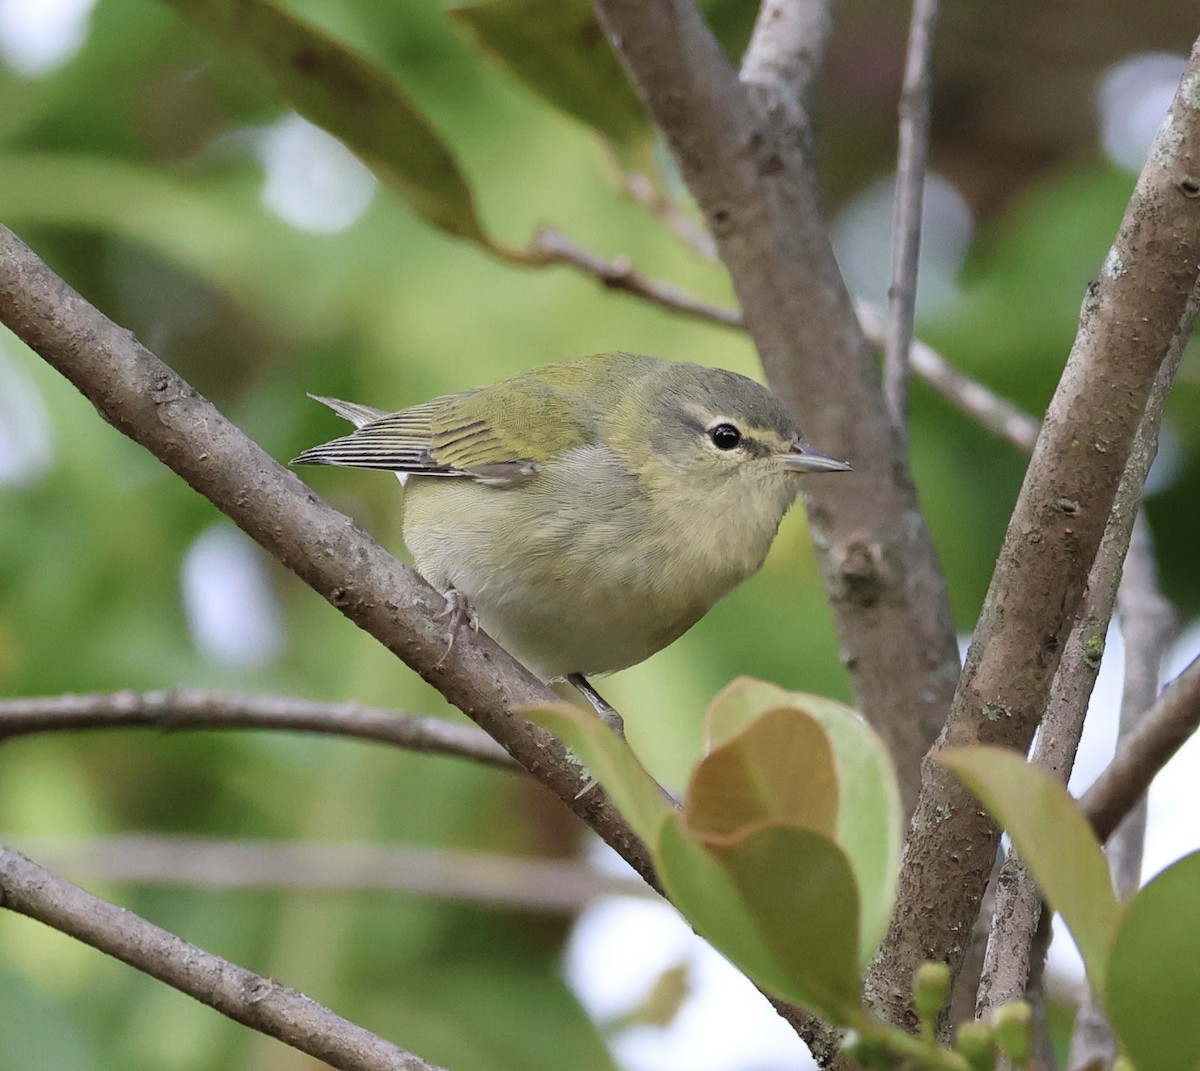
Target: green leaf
x=780, y=902
x=778, y=770
x=1055, y=841
x=869, y=815
x=1154, y=971
x=349, y=96
x=556, y=49
x=611, y=762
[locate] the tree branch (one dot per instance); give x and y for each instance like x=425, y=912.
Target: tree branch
x=786, y=54
x=1010, y=960
x=1161, y=732
x=260, y=1003
x=998, y=415
x=192, y=709
x=1148, y=625
x=519, y=883
x=916, y=103
x=742, y=149
x=1142, y=301
x=619, y=274
x=147, y=401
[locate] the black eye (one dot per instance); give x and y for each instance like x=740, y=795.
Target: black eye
x=725, y=436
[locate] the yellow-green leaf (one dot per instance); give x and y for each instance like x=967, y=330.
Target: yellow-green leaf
x=1055, y=841
x=557, y=50
x=781, y=902
x=869, y=813
x=1154, y=971
x=779, y=769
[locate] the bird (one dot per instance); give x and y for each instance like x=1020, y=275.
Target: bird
x=588, y=512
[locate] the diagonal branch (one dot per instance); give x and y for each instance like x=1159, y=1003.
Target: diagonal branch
x=187, y=708
x=742, y=148
x=1142, y=301
x=260, y=1003
x=147, y=401
x=1160, y=732
x=1010, y=961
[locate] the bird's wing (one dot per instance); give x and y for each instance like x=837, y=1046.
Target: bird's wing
x=458, y=435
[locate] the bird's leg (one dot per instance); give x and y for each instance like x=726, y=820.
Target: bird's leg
x=599, y=704
x=458, y=609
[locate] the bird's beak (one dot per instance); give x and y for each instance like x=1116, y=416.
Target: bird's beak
x=801, y=458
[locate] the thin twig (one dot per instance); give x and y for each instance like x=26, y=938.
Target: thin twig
x=1148, y=625
x=996, y=414
x=193, y=709
x=619, y=274
x=1161, y=732
x=256, y=1001
x=545, y=885
x=668, y=211
x=916, y=103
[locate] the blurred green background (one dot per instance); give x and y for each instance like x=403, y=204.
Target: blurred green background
x=167, y=182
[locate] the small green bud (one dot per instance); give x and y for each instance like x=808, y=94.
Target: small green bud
x=1012, y=1027
x=931, y=989
x=1123, y=1063
x=976, y=1045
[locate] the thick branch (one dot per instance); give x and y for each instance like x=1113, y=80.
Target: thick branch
x=1010, y=959
x=524, y=884
x=260, y=1003
x=147, y=401
x=1132, y=313
x=187, y=708
x=741, y=146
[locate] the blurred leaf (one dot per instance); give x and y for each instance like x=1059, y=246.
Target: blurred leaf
x=780, y=902
x=1055, y=841
x=1154, y=971
x=238, y=253
x=778, y=770
x=356, y=101
x=556, y=49
x=611, y=762
x=868, y=826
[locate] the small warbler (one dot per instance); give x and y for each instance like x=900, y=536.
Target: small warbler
x=590, y=511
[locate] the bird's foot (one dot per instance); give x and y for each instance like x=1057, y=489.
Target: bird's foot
x=460, y=612
x=608, y=713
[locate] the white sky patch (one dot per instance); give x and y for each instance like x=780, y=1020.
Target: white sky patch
x=1132, y=98
x=26, y=446
x=618, y=950
x=312, y=180
x=38, y=36
x=1171, y=828
x=862, y=239
x=228, y=600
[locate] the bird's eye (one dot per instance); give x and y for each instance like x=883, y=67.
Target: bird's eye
x=725, y=436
